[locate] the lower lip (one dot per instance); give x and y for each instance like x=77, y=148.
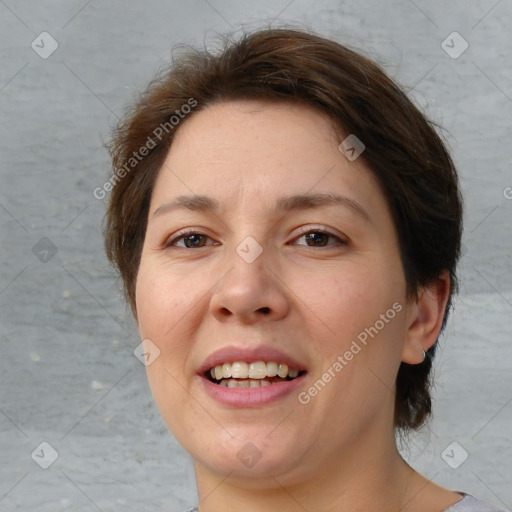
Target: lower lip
x=251, y=397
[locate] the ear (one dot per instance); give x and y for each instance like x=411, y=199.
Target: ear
x=425, y=318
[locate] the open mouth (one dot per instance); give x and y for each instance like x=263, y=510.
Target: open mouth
x=239, y=374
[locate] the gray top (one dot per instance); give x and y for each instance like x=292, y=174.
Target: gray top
x=471, y=504
x=466, y=504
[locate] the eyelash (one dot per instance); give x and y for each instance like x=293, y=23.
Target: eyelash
x=325, y=231
x=170, y=243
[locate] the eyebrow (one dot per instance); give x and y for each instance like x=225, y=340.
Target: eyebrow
x=198, y=203
x=311, y=201
x=284, y=204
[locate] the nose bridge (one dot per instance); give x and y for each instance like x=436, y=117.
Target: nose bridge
x=249, y=290
x=249, y=264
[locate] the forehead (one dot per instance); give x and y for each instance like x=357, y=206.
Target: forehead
x=240, y=150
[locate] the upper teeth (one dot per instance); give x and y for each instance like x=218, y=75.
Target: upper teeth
x=256, y=370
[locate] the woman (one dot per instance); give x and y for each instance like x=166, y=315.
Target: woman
x=287, y=227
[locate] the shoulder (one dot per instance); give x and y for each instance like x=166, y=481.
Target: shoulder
x=471, y=504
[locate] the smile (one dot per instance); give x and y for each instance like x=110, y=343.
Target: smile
x=240, y=374
x=242, y=377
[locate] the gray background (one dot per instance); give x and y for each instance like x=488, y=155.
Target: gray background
x=67, y=369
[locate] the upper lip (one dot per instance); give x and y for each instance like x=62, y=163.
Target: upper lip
x=232, y=353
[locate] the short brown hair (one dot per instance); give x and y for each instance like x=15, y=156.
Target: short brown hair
x=402, y=149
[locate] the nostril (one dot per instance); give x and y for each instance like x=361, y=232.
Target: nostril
x=265, y=310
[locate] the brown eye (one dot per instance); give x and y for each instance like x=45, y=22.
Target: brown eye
x=318, y=238
x=195, y=240
x=190, y=241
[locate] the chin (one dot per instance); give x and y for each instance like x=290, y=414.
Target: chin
x=247, y=455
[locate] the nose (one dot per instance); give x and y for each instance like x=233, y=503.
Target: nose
x=250, y=293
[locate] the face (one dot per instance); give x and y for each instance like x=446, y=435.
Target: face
x=265, y=244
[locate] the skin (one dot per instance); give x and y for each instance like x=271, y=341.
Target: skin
x=337, y=452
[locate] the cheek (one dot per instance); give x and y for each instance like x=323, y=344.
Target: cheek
x=166, y=307
x=164, y=299
x=168, y=310
x=341, y=300
x=356, y=325
x=359, y=307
